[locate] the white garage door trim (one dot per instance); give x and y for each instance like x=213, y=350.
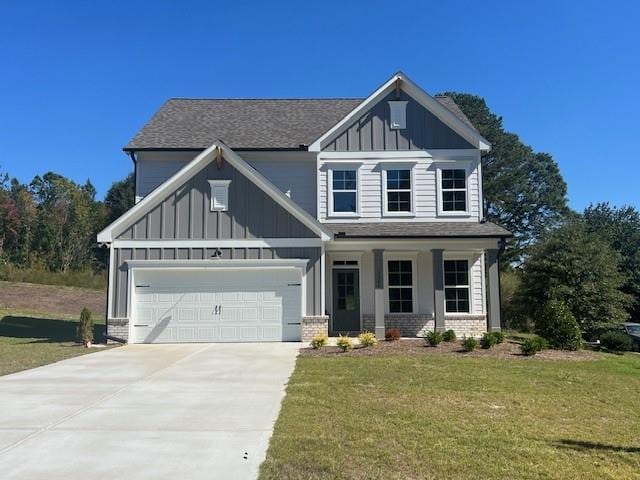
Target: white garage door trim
x=136, y=266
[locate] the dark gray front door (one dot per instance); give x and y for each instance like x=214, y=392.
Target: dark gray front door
x=346, y=300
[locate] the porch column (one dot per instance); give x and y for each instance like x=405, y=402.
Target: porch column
x=378, y=276
x=493, y=289
x=438, y=289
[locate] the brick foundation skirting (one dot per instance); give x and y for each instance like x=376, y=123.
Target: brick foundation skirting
x=409, y=324
x=314, y=325
x=466, y=325
x=117, y=330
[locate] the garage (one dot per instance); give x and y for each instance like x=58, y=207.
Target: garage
x=216, y=305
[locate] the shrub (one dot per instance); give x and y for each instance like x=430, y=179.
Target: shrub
x=449, y=336
x=499, y=336
x=488, y=340
x=557, y=324
x=344, y=342
x=392, y=334
x=368, y=339
x=616, y=341
x=85, y=327
x=533, y=345
x=433, y=338
x=319, y=340
x=469, y=344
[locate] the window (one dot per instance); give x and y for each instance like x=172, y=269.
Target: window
x=219, y=195
x=400, y=286
x=454, y=190
x=344, y=192
x=456, y=286
x=398, y=188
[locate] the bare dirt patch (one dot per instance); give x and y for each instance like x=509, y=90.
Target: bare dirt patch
x=509, y=350
x=53, y=299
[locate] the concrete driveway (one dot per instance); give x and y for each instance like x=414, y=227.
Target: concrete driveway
x=191, y=411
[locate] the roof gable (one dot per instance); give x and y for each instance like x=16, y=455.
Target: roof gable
x=190, y=171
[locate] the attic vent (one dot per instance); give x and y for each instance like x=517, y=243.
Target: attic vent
x=398, y=110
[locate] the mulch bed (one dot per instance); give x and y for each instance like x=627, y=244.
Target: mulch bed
x=509, y=350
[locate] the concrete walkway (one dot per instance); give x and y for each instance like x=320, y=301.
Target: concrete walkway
x=191, y=411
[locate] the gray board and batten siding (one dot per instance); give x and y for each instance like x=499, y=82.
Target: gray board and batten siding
x=372, y=131
x=185, y=214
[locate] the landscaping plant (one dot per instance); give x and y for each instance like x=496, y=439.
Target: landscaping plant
x=533, y=345
x=319, y=340
x=499, y=336
x=488, y=340
x=367, y=339
x=392, y=334
x=85, y=327
x=433, y=338
x=449, y=336
x=557, y=324
x=469, y=344
x=344, y=342
x=616, y=341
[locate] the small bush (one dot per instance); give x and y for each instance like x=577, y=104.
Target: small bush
x=557, y=324
x=449, y=336
x=533, y=345
x=433, y=338
x=85, y=327
x=488, y=340
x=368, y=339
x=469, y=344
x=320, y=340
x=499, y=336
x=392, y=334
x=344, y=342
x=616, y=341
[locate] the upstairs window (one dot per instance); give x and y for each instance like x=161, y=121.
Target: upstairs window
x=398, y=191
x=456, y=286
x=219, y=195
x=344, y=192
x=400, y=286
x=454, y=190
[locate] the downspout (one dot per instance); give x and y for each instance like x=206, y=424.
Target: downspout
x=132, y=154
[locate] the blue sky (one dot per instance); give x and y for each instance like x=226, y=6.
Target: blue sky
x=78, y=79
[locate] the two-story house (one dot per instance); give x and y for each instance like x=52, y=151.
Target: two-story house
x=275, y=219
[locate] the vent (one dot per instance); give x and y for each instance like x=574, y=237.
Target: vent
x=398, y=109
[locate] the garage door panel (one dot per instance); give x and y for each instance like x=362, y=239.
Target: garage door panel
x=183, y=307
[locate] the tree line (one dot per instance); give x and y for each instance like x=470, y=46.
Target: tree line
x=589, y=260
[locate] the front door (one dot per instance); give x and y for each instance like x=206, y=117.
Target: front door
x=346, y=300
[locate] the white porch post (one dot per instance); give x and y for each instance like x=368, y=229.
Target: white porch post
x=378, y=276
x=438, y=289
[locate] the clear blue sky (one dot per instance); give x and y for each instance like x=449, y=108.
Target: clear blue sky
x=78, y=79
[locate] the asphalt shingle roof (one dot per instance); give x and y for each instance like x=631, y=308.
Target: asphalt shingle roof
x=417, y=229
x=183, y=123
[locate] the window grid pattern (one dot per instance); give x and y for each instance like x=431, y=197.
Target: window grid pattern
x=454, y=190
x=344, y=191
x=456, y=286
x=400, y=286
x=398, y=190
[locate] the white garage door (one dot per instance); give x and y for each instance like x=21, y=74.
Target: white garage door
x=216, y=305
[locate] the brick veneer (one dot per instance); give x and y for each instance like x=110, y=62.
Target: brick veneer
x=466, y=325
x=410, y=324
x=314, y=325
x=118, y=328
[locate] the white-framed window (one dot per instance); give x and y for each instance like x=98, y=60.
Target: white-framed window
x=400, y=285
x=343, y=191
x=456, y=286
x=219, y=195
x=397, y=191
x=453, y=190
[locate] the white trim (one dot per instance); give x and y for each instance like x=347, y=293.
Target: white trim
x=358, y=266
x=323, y=278
x=384, y=166
x=400, y=154
x=458, y=166
x=224, y=202
x=413, y=257
x=260, y=243
x=111, y=284
x=355, y=167
x=192, y=168
x=454, y=258
x=427, y=101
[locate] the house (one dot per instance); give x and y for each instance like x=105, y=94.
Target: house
x=276, y=219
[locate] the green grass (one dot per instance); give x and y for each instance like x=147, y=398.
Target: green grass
x=84, y=278
x=436, y=417
x=29, y=340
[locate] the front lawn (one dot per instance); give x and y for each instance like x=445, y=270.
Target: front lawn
x=29, y=339
x=407, y=416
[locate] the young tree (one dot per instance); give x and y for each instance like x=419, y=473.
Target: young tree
x=120, y=197
x=523, y=190
x=580, y=269
x=620, y=227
